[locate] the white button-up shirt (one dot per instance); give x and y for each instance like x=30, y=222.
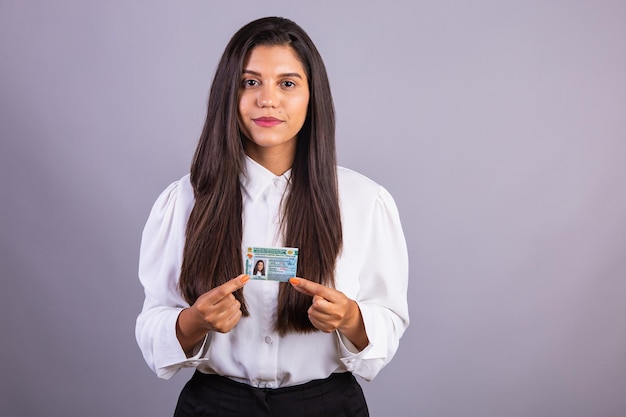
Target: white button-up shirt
x=372, y=269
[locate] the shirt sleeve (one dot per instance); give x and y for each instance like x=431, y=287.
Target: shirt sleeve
x=160, y=258
x=382, y=295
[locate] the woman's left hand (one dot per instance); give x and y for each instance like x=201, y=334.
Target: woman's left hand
x=331, y=310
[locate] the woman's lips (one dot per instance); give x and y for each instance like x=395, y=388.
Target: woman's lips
x=267, y=121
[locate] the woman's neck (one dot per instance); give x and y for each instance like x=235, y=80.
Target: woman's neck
x=278, y=161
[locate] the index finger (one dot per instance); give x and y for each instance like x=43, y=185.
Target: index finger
x=311, y=288
x=233, y=285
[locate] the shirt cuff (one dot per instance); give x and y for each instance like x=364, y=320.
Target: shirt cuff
x=349, y=354
x=175, y=358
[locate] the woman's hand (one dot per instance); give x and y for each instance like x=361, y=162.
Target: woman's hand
x=331, y=310
x=215, y=310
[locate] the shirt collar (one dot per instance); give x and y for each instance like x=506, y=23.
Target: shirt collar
x=256, y=178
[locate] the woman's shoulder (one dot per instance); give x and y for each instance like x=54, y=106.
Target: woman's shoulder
x=179, y=188
x=359, y=188
x=177, y=198
x=349, y=179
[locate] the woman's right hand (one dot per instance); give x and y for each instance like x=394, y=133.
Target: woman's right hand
x=215, y=310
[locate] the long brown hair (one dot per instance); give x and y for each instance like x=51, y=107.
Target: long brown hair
x=311, y=219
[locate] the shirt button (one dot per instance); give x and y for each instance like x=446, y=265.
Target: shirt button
x=276, y=183
x=268, y=340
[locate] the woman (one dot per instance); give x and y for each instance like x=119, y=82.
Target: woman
x=264, y=174
x=259, y=269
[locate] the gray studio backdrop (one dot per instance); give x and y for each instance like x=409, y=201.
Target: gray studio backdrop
x=499, y=127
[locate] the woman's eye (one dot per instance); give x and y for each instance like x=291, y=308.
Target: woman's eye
x=288, y=84
x=250, y=83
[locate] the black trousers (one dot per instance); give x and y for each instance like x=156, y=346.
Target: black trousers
x=339, y=395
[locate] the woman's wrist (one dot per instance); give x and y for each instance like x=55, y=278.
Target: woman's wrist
x=354, y=327
x=189, y=330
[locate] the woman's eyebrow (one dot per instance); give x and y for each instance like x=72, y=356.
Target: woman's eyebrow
x=286, y=74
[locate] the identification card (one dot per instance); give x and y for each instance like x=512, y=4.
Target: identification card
x=275, y=264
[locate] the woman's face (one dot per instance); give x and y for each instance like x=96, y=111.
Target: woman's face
x=259, y=266
x=273, y=101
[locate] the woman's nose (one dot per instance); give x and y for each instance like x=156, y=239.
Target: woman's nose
x=267, y=98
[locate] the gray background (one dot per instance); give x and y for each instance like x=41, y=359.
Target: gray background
x=499, y=127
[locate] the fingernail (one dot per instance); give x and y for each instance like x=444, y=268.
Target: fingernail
x=245, y=279
x=294, y=281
